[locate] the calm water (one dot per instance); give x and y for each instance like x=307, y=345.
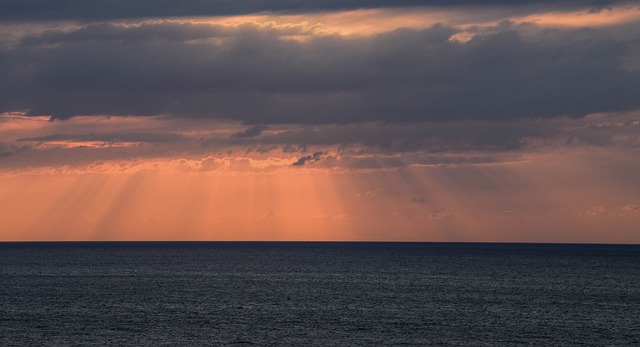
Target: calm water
x=356, y=294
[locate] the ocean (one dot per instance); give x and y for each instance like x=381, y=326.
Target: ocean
x=318, y=294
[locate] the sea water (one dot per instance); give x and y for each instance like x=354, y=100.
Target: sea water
x=322, y=294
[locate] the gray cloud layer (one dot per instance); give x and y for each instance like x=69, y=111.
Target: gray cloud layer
x=260, y=75
x=115, y=9
x=368, y=145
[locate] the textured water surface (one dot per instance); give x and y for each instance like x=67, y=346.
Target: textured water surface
x=356, y=294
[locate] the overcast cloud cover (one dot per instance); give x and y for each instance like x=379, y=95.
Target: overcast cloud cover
x=261, y=74
x=484, y=81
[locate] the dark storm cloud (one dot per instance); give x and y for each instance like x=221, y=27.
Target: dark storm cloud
x=394, y=138
x=12, y=10
x=258, y=75
x=252, y=131
x=309, y=159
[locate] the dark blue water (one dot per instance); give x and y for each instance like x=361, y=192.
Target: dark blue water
x=355, y=294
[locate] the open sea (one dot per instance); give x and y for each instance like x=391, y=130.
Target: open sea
x=318, y=294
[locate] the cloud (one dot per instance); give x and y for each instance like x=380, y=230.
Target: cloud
x=370, y=194
x=596, y=211
x=291, y=148
x=108, y=137
x=9, y=149
x=439, y=214
x=265, y=75
x=630, y=207
x=249, y=132
x=419, y=199
x=115, y=9
x=35, y=142
x=308, y=159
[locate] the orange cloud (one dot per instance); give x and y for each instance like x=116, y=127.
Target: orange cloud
x=605, y=17
x=375, y=21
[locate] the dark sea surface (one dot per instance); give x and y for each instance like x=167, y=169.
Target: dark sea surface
x=322, y=294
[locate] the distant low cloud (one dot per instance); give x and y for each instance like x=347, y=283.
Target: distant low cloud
x=309, y=159
x=33, y=142
x=596, y=211
x=109, y=137
x=630, y=207
x=249, y=132
x=419, y=199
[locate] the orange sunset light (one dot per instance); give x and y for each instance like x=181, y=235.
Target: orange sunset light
x=322, y=121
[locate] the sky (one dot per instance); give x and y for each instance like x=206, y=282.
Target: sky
x=351, y=120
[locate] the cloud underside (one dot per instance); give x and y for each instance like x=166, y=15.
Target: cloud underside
x=213, y=145
x=269, y=73
x=473, y=85
x=101, y=9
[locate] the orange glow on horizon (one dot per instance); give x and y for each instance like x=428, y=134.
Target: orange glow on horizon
x=539, y=199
